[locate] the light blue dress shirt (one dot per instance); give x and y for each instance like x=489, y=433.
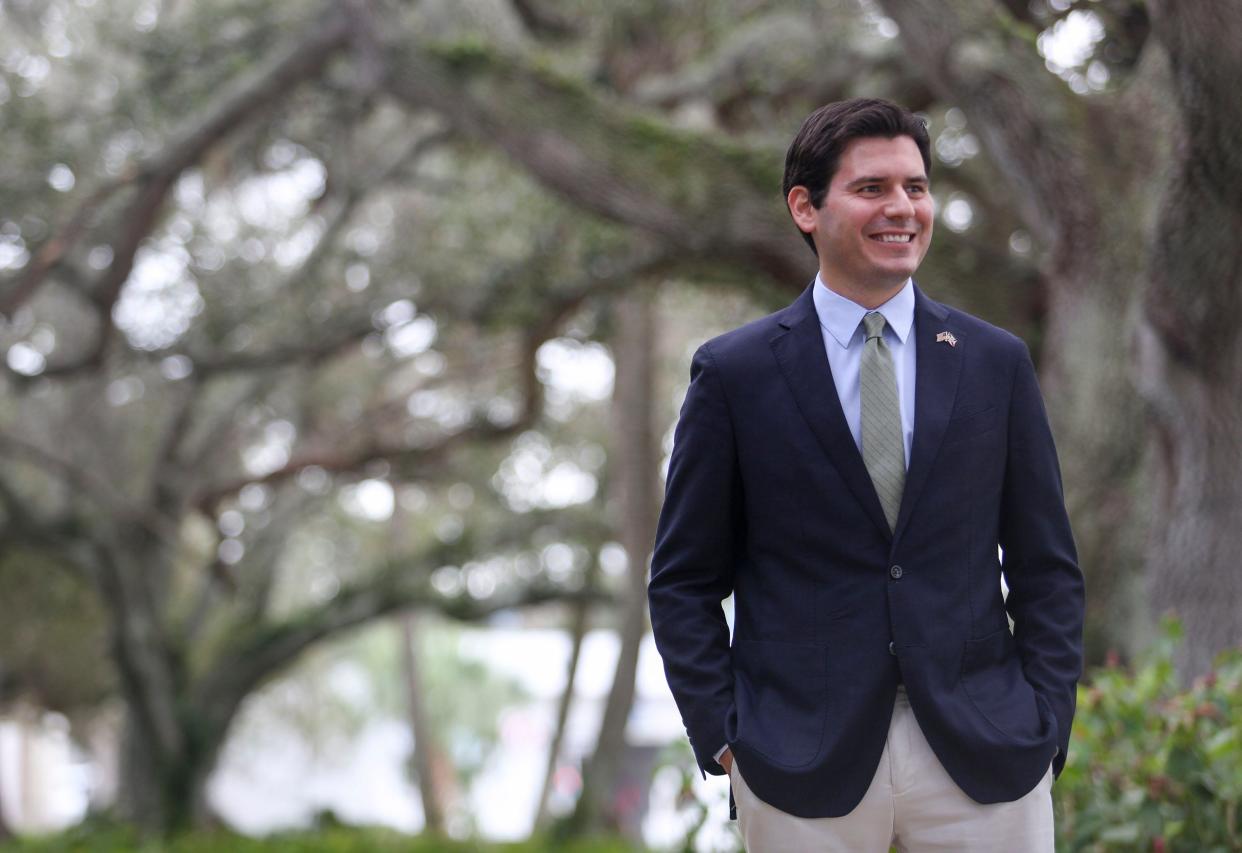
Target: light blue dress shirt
x=840, y=321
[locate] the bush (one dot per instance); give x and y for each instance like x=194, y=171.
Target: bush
x=109, y=839
x=1153, y=766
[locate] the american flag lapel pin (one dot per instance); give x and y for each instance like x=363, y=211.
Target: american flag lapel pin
x=946, y=337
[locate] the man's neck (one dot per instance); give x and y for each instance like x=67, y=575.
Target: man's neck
x=870, y=296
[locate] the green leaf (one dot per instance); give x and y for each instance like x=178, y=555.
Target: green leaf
x=1125, y=833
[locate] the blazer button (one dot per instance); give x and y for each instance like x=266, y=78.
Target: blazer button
x=895, y=572
x=892, y=650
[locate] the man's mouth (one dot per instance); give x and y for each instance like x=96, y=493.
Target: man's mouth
x=893, y=238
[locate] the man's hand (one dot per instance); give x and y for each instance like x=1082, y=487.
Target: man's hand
x=726, y=760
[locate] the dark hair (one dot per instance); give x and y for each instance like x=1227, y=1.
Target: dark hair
x=811, y=160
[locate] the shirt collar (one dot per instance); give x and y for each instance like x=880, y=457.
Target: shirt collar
x=841, y=316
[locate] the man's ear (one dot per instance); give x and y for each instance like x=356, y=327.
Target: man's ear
x=803, y=212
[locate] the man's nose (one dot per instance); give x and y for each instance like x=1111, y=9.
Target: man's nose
x=899, y=205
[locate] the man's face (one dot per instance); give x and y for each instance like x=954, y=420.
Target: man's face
x=875, y=223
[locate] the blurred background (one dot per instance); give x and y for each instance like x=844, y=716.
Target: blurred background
x=343, y=342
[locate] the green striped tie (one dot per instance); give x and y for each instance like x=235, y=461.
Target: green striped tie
x=883, y=447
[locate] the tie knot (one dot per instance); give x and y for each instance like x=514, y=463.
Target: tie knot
x=874, y=324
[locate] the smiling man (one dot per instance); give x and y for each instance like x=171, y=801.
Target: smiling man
x=847, y=469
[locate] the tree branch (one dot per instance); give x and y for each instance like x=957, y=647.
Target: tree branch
x=543, y=22
x=784, y=56
x=53, y=251
x=977, y=56
x=263, y=651
x=248, y=97
x=604, y=276
x=700, y=195
x=161, y=492
x=215, y=440
x=336, y=459
x=312, y=347
x=82, y=482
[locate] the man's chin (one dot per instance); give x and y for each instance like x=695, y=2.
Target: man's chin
x=893, y=276
x=897, y=270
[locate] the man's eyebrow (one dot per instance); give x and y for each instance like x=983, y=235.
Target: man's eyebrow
x=879, y=179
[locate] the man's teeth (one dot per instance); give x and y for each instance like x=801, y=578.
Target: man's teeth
x=893, y=238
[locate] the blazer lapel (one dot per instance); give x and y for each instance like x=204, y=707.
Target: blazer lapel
x=799, y=351
x=936, y=374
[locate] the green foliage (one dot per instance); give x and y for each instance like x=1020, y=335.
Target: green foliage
x=1154, y=766
x=333, y=839
x=52, y=633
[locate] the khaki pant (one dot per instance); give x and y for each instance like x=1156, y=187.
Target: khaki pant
x=912, y=804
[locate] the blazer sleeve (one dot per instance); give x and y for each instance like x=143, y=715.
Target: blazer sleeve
x=692, y=567
x=1040, y=562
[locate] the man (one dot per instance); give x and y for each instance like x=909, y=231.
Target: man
x=847, y=468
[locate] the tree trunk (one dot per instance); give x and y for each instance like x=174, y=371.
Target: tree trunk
x=147, y=796
x=420, y=726
x=636, y=470
x=163, y=795
x=579, y=621
x=156, y=765
x=1194, y=551
x=5, y=832
x=1190, y=348
x=1096, y=414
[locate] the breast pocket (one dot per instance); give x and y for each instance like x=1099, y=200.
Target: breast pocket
x=971, y=426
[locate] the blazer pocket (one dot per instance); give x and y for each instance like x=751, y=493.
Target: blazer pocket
x=993, y=679
x=779, y=690
x=970, y=425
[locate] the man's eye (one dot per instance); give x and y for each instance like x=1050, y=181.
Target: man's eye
x=871, y=188
x=916, y=188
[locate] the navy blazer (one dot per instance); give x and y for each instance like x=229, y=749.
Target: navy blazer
x=768, y=498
